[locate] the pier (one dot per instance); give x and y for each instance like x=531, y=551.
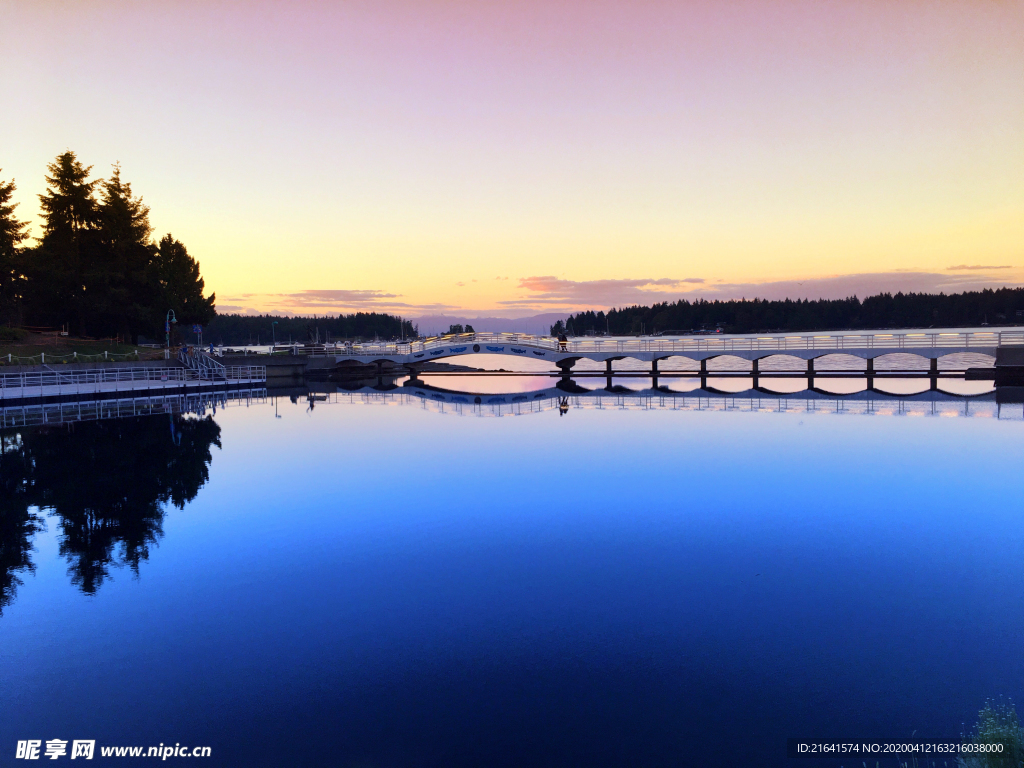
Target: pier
x=190, y=373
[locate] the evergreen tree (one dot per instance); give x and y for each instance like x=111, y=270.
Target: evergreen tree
x=181, y=285
x=12, y=233
x=96, y=267
x=123, y=279
x=56, y=269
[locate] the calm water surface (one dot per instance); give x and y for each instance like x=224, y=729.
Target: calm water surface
x=396, y=586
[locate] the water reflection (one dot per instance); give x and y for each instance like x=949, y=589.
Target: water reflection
x=18, y=521
x=106, y=483
x=621, y=586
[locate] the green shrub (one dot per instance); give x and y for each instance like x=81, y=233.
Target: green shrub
x=7, y=333
x=997, y=722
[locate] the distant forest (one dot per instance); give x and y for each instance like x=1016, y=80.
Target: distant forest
x=96, y=270
x=903, y=310
x=246, y=329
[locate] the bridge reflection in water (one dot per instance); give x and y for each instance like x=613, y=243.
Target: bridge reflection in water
x=565, y=396
x=1001, y=403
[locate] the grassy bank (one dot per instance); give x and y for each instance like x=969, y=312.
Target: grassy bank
x=30, y=349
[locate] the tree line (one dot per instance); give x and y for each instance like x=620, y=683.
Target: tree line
x=96, y=270
x=252, y=329
x=901, y=310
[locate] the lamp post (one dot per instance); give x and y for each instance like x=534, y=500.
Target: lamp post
x=167, y=332
x=273, y=334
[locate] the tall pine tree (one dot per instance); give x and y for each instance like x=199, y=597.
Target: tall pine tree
x=57, y=267
x=96, y=267
x=124, y=278
x=12, y=234
x=182, y=286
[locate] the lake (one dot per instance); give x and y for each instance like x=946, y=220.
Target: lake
x=390, y=579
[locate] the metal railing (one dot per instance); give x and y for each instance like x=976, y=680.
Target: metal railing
x=56, y=382
x=245, y=373
x=198, y=361
x=712, y=343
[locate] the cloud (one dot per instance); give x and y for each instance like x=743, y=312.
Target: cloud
x=862, y=284
x=547, y=291
x=342, y=296
x=979, y=266
x=325, y=301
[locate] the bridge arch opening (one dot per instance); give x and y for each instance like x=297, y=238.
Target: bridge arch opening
x=902, y=386
x=779, y=386
x=840, y=386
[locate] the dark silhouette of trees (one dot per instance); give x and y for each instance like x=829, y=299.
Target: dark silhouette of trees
x=18, y=524
x=56, y=268
x=886, y=310
x=181, y=285
x=12, y=234
x=243, y=329
x=125, y=294
x=96, y=267
x=97, y=270
x=107, y=484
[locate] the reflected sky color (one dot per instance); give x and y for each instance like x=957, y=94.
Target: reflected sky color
x=396, y=586
x=417, y=156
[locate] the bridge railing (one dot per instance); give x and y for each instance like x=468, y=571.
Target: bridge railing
x=716, y=343
x=411, y=347
x=828, y=342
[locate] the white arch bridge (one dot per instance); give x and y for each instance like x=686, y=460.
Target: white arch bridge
x=807, y=346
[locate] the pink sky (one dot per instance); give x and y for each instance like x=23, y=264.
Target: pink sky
x=530, y=156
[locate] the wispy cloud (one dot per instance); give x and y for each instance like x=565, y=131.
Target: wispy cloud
x=550, y=294
x=978, y=266
x=326, y=301
x=863, y=284
x=541, y=292
x=549, y=290
x=340, y=296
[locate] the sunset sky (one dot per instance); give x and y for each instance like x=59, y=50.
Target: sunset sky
x=520, y=157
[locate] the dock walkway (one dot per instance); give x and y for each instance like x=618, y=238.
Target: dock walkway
x=51, y=382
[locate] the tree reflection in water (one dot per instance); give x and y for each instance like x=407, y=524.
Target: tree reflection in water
x=106, y=483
